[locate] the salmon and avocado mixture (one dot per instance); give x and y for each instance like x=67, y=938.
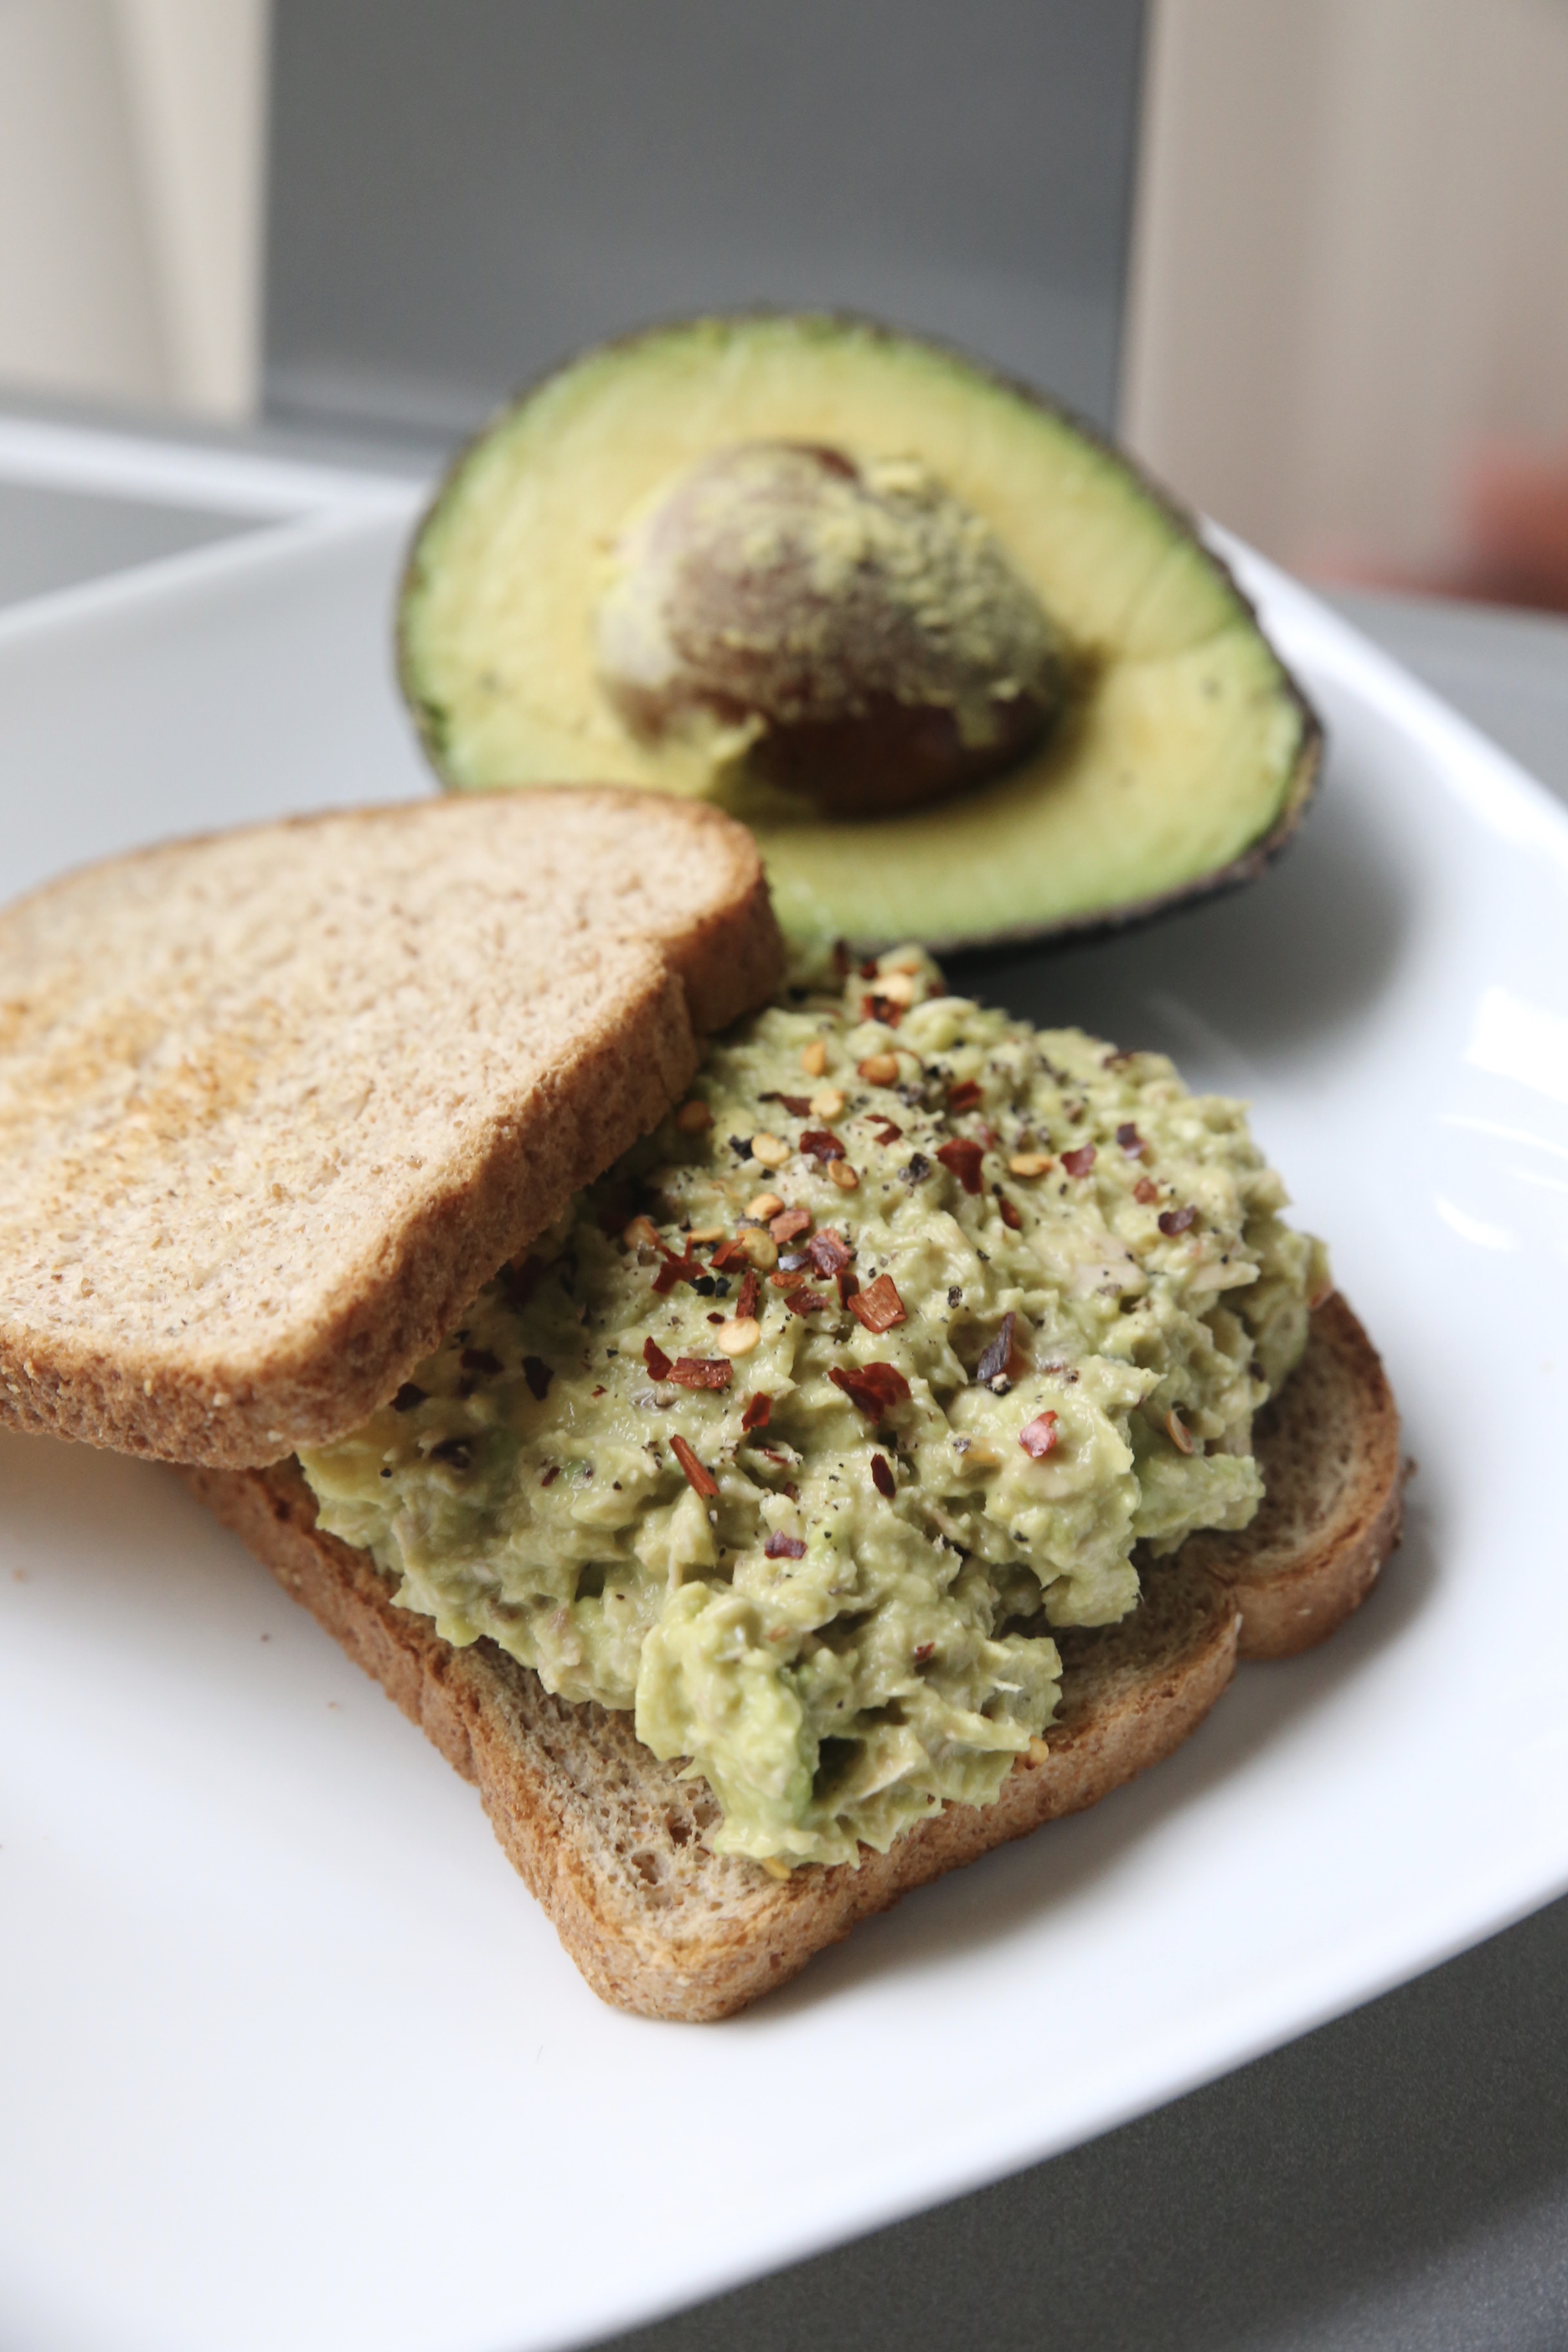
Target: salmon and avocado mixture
x=811, y=1420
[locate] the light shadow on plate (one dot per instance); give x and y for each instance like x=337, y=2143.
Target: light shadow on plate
x=1019, y=1884
x=1281, y=962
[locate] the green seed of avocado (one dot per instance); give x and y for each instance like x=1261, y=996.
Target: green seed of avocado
x=860, y=625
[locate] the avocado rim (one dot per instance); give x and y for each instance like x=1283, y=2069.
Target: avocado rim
x=1072, y=930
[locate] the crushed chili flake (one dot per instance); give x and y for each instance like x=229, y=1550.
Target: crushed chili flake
x=849, y=1284
x=539, y=1375
x=885, y=1009
x=797, y=1105
x=882, y=1476
x=779, y=1547
x=746, y=1304
x=828, y=1251
x=701, y=1480
x=676, y=1269
x=1180, y=1435
x=871, y=970
x=803, y=1302
x=758, y=1412
x=408, y=1396
x=926, y=1650
x=483, y=1361
x=997, y=1363
x=878, y=1307
x=885, y=1132
x=879, y=1069
x=789, y=1225
x=964, y=1158
x=1039, y=1437
x=1079, y=1162
x=966, y=1095
x=1176, y=1221
x=641, y=1233
x=872, y=1389
x=701, y=1371
x=1145, y=1190
x=552, y=1474
x=821, y=1143
x=1132, y=1143
x=1011, y=1216
x=726, y=1254
x=656, y=1360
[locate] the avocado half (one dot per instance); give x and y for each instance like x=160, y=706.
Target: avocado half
x=1183, y=760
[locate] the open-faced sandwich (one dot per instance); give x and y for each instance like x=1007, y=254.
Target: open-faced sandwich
x=780, y=1441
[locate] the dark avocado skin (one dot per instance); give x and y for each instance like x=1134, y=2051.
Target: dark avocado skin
x=1071, y=929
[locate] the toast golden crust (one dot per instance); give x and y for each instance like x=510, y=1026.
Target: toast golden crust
x=274, y=1104
x=1329, y=1449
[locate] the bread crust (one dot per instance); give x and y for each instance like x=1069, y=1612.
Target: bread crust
x=1329, y=1449
x=274, y=1104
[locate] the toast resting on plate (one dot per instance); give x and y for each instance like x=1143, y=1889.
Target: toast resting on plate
x=611, y=1840
x=275, y=1103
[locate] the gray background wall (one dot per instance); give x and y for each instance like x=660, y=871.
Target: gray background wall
x=464, y=191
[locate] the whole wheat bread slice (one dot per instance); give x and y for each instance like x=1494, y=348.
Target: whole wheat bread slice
x=611, y=1840
x=275, y=1103
x=1328, y=1446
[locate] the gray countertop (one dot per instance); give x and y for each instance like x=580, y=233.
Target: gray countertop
x=1397, y=2179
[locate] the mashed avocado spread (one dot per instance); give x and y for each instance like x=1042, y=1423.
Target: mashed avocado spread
x=870, y=1366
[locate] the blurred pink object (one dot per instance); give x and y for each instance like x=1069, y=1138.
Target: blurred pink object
x=1514, y=529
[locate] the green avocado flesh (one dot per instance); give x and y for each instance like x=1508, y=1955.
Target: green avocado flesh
x=1185, y=752
x=805, y=1466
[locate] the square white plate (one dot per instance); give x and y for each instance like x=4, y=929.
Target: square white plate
x=290, y=2057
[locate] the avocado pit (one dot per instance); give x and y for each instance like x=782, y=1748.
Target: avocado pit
x=852, y=631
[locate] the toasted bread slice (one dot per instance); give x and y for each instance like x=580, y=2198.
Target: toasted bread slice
x=274, y=1104
x=1329, y=1449
x=610, y=1839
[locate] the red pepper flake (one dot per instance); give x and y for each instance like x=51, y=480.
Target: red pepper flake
x=538, y=1375
x=965, y=1097
x=997, y=1362
x=882, y=1476
x=1037, y=1438
x=1132, y=1143
x=828, y=1251
x=789, y=1224
x=598, y=1392
x=779, y=1547
x=746, y=1304
x=726, y=1254
x=883, y=1009
x=821, y=1143
x=886, y=1132
x=872, y=1389
x=871, y=970
x=805, y=1302
x=552, y=1474
x=1146, y=1190
x=797, y=1105
x=758, y=1412
x=964, y=1158
x=656, y=1360
x=482, y=1360
x=1176, y=1221
x=849, y=1284
x=518, y=1281
x=701, y=1371
x=878, y=1307
x=1180, y=1435
x=927, y=1650
x=408, y=1396
x=676, y=1269
x=1012, y=1215
x=701, y=1480
x=1079, y=1162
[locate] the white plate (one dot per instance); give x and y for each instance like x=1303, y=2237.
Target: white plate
x=289, y=2058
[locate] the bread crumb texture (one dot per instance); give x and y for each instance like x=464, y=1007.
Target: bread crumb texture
x=274, y=1103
